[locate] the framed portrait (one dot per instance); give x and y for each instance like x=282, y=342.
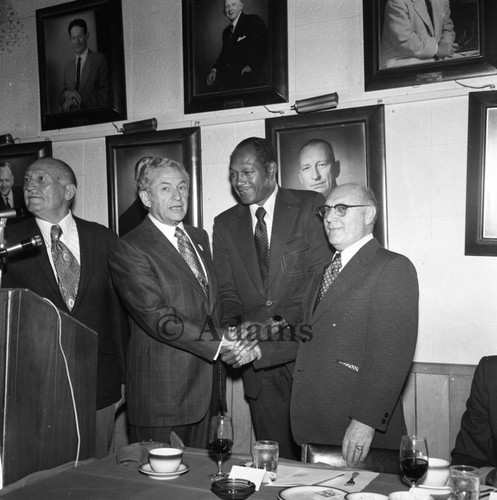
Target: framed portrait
x=317, y=151
x=413, y=42
x=234, y=57
x=481, y=185
x=17, y=157
x=81, y=63
x=126, y=154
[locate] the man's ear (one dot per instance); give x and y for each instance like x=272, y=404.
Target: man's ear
x=70, y=192
x=370, y=215
x=145, y=198
x=337, y=168
x=271, y=169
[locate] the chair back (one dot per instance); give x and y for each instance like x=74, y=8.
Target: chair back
x=378, y=459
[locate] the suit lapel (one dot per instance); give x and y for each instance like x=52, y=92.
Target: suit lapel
x=87, y=262
x=420, y=7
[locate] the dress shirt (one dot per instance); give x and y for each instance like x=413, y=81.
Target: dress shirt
x=349, y=252
x=83, y=57
x=9, y=198
x=168, y=231
x=269, y=217
x=70, y=236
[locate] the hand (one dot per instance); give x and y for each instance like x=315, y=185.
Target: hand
x=122, y=400
x=246, y=69
x=357, y=434
x=247, y=356
x=446, y=49
x=239, y=353
x=211, y=77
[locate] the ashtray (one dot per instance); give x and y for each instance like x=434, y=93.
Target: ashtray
x=233, y=489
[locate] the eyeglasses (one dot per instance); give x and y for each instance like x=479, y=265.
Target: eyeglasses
x=340, y=209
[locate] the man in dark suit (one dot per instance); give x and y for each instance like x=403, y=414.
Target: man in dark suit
x=362, y=319
x=11, y=196
x=243, y=61
x=85, y=77
x=164, y=274
x=296, y=246
x=476, y=443
x=85, y=291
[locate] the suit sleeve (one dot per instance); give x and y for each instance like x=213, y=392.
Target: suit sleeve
x=401, y=31
x=474, y=441
x=147, y=304
x=390, y=343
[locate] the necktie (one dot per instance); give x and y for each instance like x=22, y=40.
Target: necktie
x=188, y=253
x=328, y=277
x=78, y=73
x=429, y=9
x=7, y=203
x=262, y=244
x=66, y=266
x=232, y=30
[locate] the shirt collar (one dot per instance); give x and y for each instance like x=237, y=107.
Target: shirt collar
x=349, y=252
x=67, y=224
x=268, y=205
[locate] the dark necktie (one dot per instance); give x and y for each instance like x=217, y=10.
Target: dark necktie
x=78, y=73
x=328, y=277
x=188, y=253
x=7, y=203
x=232, y=30
x=66, y=266
x=429, y=9
x=262, y=244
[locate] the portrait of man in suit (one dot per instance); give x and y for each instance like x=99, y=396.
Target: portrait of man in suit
x=82, y=288
x=362, y=312
x=11, y=196
x=165, y=277
x=417, y=31
x=243, y=60
x=85, y=82
x=265, y=249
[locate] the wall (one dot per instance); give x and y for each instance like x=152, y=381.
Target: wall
x=426, y=129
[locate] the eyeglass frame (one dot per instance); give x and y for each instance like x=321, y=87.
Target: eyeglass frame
x=342, y=206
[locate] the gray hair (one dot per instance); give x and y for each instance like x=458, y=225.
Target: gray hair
x=147, y=173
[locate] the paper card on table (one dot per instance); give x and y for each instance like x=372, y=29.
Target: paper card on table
x=302, y=476
x=493, y=495
x=254, y=475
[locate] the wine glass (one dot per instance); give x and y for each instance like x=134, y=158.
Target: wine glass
x=413, y=458
x=220, y=442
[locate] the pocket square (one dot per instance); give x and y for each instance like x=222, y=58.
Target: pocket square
x=240, y=38
x=350, y=366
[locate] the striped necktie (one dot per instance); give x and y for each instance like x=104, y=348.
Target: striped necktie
x=328, y=277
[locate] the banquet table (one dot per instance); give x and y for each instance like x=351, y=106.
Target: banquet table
x=106, y=479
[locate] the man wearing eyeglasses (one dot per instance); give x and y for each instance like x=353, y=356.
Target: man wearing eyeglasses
x=363, y=315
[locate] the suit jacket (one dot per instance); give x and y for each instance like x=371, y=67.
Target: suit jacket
x=358, y=348
x=18, y=194
x=132, y=217
x=298, y=246
x=476, y=443
x=173, y=337
x=248, y=46
x=410, y=36
x=97, y=305
x=93, y=86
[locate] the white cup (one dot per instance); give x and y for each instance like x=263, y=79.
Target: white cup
x=438, y=473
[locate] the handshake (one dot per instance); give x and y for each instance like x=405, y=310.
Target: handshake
x=240, y=345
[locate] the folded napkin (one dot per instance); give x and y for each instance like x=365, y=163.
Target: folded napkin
x=136, y=454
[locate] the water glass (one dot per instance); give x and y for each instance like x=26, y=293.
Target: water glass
x=265, y=456
x=464, y=482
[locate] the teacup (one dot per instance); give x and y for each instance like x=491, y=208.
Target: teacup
x=438, y=473
x=165, y=459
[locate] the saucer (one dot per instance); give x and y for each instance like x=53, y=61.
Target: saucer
x=163, y=476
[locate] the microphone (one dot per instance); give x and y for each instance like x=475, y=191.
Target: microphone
x=22, y=246
x=12, y=213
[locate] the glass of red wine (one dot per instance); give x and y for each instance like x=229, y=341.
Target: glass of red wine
x=220, y=442
x=413, y=458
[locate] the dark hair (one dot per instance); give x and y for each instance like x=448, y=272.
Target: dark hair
x=6, y=164
x=81, y=23
x=264, y=150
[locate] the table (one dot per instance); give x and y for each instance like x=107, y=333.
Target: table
x=106, y=480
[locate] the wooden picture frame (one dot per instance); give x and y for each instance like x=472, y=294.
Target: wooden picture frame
x=123, y=154
x=101, y=87
x=357, y=137
x=481, y=187
x=259, y=42
x=401, y=43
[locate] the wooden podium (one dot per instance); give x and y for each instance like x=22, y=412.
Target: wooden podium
x=37, y=418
